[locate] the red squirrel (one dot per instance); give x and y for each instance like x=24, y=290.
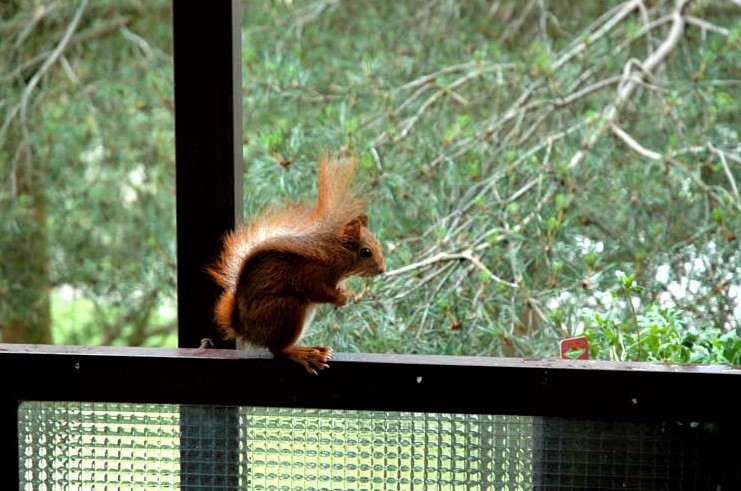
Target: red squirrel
x=276, y=269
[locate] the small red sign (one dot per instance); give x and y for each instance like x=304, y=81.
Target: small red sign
x=575, y=348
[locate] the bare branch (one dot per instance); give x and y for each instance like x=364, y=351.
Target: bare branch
x=632, y=143
x=444, y=90
x=564, y=101
x=439, y=257
x=431, y=77
x=115, y=24
x=726, y=169
x=706, y=26
x=625, y=91
x=38, y=15
x=50, y=61
x=467, y=255
x=611, y=19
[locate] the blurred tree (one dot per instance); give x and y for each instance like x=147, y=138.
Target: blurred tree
x=86, y=173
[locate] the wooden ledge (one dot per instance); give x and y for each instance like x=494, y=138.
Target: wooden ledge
x=387, y=382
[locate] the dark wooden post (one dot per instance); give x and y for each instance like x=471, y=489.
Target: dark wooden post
x=9, y=437
x=208, y=150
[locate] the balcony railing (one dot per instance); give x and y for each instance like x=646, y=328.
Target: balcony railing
x=142, y=418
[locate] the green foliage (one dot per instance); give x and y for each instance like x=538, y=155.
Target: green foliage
x=476, y=119
x=656, y=334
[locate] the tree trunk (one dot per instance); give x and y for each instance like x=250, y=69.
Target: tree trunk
x=25, y=307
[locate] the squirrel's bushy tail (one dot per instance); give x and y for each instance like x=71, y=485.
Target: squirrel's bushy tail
x=337, y=203
x=337, y=196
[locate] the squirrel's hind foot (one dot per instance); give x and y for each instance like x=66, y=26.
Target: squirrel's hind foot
x=312, y=358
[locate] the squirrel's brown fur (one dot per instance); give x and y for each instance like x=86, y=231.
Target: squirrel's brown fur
x=287, y=260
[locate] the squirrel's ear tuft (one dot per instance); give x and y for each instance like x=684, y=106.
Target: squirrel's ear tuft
x=363, y=219
x=352, y=229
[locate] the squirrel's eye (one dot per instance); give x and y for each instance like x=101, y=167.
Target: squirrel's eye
x=365, y=252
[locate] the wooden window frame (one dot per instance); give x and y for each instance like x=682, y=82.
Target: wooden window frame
x=208, y=127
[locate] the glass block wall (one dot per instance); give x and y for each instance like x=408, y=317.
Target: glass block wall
x=352, y=450
x=66, y=445
x=76, y=446
x=91, y=446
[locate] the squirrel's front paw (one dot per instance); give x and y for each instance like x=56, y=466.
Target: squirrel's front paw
x=342, y=297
